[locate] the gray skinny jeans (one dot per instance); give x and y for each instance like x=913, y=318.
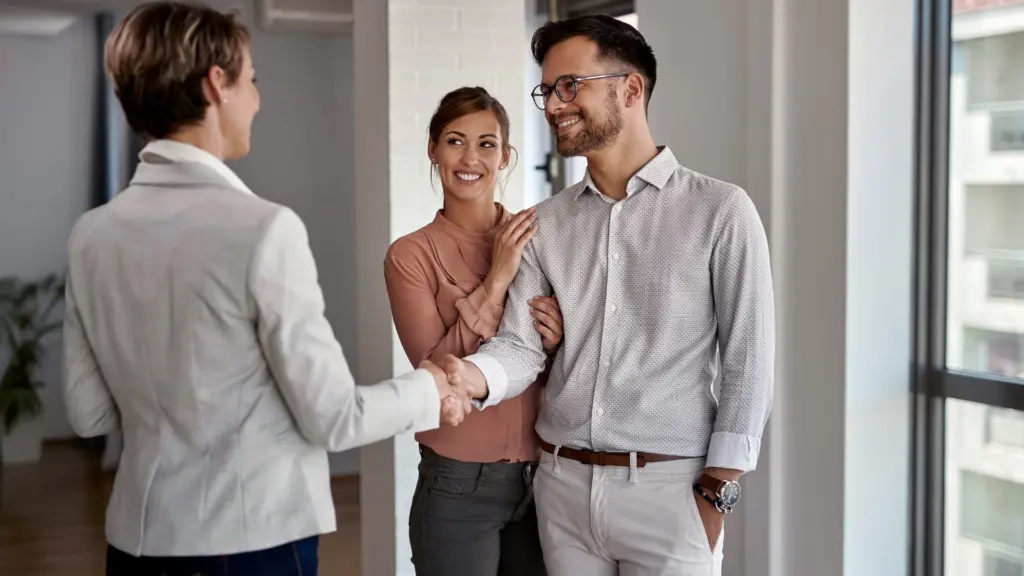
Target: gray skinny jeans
x=472, y=519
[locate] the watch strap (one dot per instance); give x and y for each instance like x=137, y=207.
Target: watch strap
x=711, y=484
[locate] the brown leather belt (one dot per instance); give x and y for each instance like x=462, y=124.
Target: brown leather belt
x=607, y=458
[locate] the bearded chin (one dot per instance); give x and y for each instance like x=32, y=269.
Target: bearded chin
x=569, y=148
x=592, y=138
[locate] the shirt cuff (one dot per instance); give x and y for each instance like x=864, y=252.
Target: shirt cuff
x=427, y=405
x=494, y=376
x=733, y=451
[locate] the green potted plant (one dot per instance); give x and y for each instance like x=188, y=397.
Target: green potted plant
x=26, y=318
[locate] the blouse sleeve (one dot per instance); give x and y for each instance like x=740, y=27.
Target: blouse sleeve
x=411, y=290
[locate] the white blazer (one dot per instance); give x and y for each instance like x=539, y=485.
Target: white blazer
x=195, y=325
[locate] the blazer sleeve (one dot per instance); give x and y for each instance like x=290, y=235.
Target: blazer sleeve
x=90, y=407
x=417, y=319
x=307, y=361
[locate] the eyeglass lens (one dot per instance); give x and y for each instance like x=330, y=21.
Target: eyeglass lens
x=565, y=90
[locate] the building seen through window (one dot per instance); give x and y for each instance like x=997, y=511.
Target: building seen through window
x=984, y=483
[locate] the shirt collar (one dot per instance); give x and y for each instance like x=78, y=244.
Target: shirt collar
x=174, y=151
x=655, y=173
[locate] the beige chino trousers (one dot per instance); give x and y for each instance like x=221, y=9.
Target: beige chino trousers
x=619, y=521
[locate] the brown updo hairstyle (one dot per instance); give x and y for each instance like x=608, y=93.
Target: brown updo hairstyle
x=463, y=102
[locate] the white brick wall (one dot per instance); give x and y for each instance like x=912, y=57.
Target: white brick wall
x=433, y=47
x=437, y=46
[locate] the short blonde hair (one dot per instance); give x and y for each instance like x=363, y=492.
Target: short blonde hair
x=158, y=56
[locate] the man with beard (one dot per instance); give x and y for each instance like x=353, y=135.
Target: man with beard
x=663, y=277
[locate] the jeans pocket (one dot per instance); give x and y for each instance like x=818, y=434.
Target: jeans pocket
x=453, y=484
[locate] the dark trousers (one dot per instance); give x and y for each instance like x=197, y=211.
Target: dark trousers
x=295, y=559
x=471, y=519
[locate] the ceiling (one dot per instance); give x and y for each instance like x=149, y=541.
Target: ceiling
x=51, y=17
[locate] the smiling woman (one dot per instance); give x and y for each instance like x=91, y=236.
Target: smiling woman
x=473, y=509
x=462, y=111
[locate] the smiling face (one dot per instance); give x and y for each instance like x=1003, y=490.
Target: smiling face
x=593, y=119
x=469, y=154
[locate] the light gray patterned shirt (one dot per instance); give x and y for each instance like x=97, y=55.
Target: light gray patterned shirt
x=656, y=291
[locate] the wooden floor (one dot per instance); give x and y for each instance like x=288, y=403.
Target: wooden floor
x=51, y=518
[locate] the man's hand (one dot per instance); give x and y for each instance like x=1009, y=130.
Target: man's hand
x=709, y=515
x=455, y=405
x=547, y=319
x=465, y=377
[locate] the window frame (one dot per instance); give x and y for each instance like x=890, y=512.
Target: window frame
x=933, y=382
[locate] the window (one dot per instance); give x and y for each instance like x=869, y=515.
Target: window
x=1007, y=132
x=996, y=565
x=1004, y=428
x=969, y=516
x=992, y=67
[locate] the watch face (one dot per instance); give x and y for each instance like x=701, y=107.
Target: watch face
x=730, y=493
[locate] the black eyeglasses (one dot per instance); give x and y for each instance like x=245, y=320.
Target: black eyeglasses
x=565, y=88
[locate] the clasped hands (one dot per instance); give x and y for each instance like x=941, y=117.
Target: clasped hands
x=458, y=384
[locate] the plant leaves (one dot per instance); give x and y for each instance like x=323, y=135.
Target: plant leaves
x=24, y=322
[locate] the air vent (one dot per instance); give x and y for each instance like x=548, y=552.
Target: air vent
x=27, y=22
x=317, y=16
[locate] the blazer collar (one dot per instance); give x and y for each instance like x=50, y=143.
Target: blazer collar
x=171, y=163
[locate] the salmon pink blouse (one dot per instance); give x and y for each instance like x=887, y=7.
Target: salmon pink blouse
x=435, y=283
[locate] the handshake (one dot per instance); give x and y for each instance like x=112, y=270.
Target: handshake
x=458, y=383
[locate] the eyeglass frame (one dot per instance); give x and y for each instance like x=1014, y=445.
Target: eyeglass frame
x=576, y=80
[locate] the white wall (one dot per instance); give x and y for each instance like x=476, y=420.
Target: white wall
x=48, y=106
x=783, y=98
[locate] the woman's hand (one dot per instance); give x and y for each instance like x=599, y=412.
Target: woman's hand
x=508, y=253
x=547, y=318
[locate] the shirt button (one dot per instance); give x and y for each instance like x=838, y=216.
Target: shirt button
x=614, y=308
x=615, y=256
x=600, y=411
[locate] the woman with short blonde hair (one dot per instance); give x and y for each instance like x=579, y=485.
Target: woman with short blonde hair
x=175, y=65
x=195, y=326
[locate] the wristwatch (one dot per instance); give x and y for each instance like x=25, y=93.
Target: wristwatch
x=724, y=494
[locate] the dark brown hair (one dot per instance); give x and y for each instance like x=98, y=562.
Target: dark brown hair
x=463, y=102
x=158, y=56
x=615, y=39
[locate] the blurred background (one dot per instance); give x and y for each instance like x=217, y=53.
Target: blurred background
x=882, y=141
